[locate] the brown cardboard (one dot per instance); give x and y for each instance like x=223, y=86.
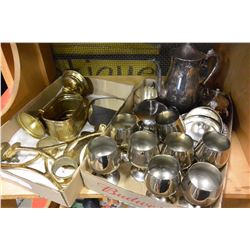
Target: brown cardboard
x=67, y=195
x=128, y=191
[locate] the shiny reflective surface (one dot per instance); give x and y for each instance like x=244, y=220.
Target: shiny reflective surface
x=182, y=86
x=74, y=82
x=76, y=147
x=168, y=121
x=162, y=177
x=179, y=145
x=65, y=116
x=103, y=155
x=197, y=126
x=202, y=184
x=146, y=112
x=138, y=174
x=122, y=127
x=63, y=168
x=142, y=147
x=214, y=148
x=31, y=125
x=146, y=91
x=205, y=111
x=113, y=178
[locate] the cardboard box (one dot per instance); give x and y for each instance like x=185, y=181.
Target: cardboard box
x=67, y=195
x=128, y=190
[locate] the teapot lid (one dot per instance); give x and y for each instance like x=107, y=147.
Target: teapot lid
x=188, y=52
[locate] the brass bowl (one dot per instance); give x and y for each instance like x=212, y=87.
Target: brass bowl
x=31, y=125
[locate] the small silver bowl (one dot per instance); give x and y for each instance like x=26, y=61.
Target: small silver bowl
x=163, y=176
x=202, y=185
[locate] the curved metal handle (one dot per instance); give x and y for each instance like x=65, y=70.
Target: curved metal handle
x=91, y=103
x=159, y=77
x=212, y=53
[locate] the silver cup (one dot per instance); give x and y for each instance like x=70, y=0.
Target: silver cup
x=143, y=145
x=163, y=176
x=179, y=145
x=122, y=127
x=103, y=156
x=168, y=121
x=213, y=148
x=146, y=112
x=202, y=185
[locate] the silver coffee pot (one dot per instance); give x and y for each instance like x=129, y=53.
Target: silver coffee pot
x=184, y=79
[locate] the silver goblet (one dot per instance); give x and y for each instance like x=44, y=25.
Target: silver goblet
x=169, y=121
x=122, y=127
x=103, y=156
x=213, y=148
x=143, y=145
x=179, y=145
x=163, y=176
x=202, y=185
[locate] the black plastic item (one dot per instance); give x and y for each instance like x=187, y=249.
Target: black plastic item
x=101, y=115
x=86, y=203
x=3, y=85
x=91, y=203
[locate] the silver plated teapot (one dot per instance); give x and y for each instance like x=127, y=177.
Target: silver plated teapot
x=181, y=89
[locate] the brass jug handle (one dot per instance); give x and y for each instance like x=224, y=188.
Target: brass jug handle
x=211, y=53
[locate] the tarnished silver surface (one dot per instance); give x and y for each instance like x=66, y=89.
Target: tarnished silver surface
x=180, y=145
x=202, y=184
x=181, y=89
x=213, y=148
x=103, y=155
x=163, y=175
x=142, y=147
x=168, y=121
x=122, y=127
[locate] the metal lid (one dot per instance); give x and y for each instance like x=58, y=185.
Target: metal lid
x=31, y=125
x=74, y=82
x=188, y=52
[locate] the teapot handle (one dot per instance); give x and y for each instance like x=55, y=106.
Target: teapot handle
x=212, y=53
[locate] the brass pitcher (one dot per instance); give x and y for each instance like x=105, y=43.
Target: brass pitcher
x=181, y=89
